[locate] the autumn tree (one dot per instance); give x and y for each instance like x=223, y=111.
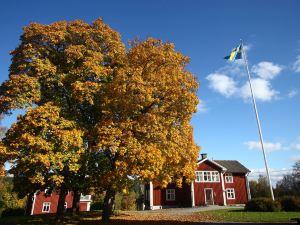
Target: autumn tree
x=96, y=112
x=2, y=148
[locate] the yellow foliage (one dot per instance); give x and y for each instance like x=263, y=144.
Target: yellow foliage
x=98, y=111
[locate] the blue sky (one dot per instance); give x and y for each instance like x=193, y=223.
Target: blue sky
x=206, y=31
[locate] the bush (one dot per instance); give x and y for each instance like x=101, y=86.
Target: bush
x=97, y=206
x=125, y=201
x=262, y=205
x=13, y=212
x=290, y=203
x=128, y=201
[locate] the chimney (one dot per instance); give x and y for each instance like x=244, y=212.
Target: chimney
x=203, y=156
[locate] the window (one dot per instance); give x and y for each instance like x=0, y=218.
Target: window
x=207, y=176
x=199, y=176
x=215, y=177
x=46, y=207
x=228, y=178
x=66, y=205
x=170, y=194
x=230, y=193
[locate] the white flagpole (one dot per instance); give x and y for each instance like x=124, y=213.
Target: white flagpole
x=257, y=120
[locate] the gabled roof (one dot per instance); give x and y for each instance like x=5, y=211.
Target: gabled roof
x=233, y=166
x=213, y=162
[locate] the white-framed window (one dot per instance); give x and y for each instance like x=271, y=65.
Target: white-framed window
x=207, y=176
x=230, y=193
x=66, y=205
x=228, y=178
x=46, y=207
x=170, y=194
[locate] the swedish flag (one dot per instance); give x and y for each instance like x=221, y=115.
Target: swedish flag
x=235, y=54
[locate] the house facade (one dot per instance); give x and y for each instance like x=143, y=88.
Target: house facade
x=42, y=202
x=218, y=182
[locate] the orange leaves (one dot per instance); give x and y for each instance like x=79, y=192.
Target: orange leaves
x=19, y=91
x=43, y=142
x=85, y=91
x=99, y=111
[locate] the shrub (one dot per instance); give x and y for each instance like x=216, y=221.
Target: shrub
x=13, y=212
x=128, y=201
x=97, y=205
x=290, y=203
x=125, y=201
x=262, y=205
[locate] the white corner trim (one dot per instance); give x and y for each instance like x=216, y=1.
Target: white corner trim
x=223, y=189
x=193, y=194
x=248, y=187
x=33, y=203
x=151, y=195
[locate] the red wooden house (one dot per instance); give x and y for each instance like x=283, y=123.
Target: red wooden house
x=43, y=203
x=218, y=182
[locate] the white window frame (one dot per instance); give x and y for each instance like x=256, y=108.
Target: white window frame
x=230, y=193
x=170, y=195
x=45, y=206
x=228, y=178
x=207, y=177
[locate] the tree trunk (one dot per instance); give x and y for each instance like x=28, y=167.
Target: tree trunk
x=76, y=199
x=61, y=203
x=108, y=204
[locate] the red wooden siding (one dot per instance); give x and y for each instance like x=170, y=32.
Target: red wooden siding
x=240, y=189
x=200, y=195
x=52, y=198
x=182, y=195
x=83, y=206
x=207, y=166
x=41, y=197
x=156, y=194
x=216, y=186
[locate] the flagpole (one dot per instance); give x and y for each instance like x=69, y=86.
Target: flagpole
x=257, y=120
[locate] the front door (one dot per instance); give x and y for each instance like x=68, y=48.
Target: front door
x=209, y=198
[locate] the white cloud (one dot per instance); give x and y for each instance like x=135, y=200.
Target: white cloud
x=274, y=146
x=296, y=65
x=295, y=158
x=267, y=70
x=295, y=145
x=292, y=93
x=201, y=107
x=269, y=146
x=275, y=174
x=222, y=84
x=262, y=90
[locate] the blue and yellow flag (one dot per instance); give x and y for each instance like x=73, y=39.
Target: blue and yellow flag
x=235, y=54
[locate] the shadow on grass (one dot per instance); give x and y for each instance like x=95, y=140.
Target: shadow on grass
x=236, y=210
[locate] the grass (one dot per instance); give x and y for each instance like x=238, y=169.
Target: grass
x=239, y=215
x=93, y=218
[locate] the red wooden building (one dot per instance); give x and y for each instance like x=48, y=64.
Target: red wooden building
x=218, y=182
x=42, y=202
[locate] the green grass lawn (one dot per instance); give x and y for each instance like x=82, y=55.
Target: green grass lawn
x=239, y=215
x=93, y=218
